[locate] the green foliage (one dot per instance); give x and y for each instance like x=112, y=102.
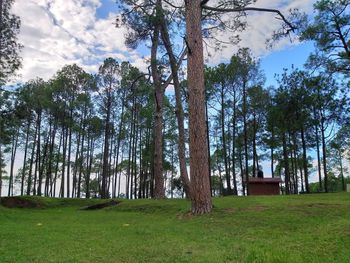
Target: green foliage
x=10, y=60
x=330, y=31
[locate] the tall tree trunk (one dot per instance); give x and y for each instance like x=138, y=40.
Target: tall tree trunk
x=13, y=158
x=318, y=153
x=200, y=185
x=306, y=173
x=159, y=191
x=245, y=131
x=65, y=142
x=128, y=173
x=105, y=165
x=254, y=147
x=44, y=161
x=121, y=125
x=324, y=155
x=53, y=191
x=223, y=141
x=234, y=145
x=29, y=185
x=25, y=156
x=286, y=163
x=37, y=158
x=179, y=109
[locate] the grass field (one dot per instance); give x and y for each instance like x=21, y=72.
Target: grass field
x=307, y=228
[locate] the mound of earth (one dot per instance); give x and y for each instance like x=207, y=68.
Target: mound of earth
x=101, y=205
x=19, y=202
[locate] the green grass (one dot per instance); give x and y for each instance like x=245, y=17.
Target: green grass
x=307, y=228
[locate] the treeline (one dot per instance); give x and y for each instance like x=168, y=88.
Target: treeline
x=80, y=135
x=301, y=124
x=83, y=135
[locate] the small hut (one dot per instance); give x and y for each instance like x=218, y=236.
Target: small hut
x=264, y=186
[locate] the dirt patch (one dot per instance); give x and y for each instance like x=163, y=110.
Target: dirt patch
x=19, y=202
x=101, y=205
x=184, y=216
x=256, y=208
x=231, y=210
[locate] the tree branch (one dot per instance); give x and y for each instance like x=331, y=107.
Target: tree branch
x=245, y=9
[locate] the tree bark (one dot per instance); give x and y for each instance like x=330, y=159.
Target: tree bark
x=159, y=191
x=201, y=197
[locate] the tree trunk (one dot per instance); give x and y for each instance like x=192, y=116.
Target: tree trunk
x=318, y=155
x=37, y=158
x=179, y=109
x=13, y=158
x=65, y=142
x=286, y=163
x=324, y=154
x=223, y=141
x=159, y=191
x=29, y=185
x=105, y=165
x=25, y=156
x=234, y=145
x=306, y=173
x=200, y=185
x=245, y=135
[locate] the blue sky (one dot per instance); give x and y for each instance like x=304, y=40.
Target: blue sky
x=275, y=62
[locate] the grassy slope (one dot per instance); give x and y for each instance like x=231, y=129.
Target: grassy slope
x=309, y=228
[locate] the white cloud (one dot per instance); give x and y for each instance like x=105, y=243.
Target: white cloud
x=56, y=33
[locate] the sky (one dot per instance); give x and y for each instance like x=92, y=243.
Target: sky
x=60, y=32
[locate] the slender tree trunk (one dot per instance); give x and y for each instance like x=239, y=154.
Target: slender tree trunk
x=44, y=160
x=13, y=158
x=242, y=173
x=324, y=155
x=179, y=109
x=318, y=156
x=200, y=185
x=77, y=160
x=49, y=168
x=159, y=191
x=245, y=136
x=37, y=158
x=29, y=185
x=234, y=145
x=306, y=173
x=53, y=193
x=105, y=165
x=65, y=142
x=121, y=125
x=223, y=141
x=286, y=163
x=128, y=178
x=302, y=179
x=25, y=156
